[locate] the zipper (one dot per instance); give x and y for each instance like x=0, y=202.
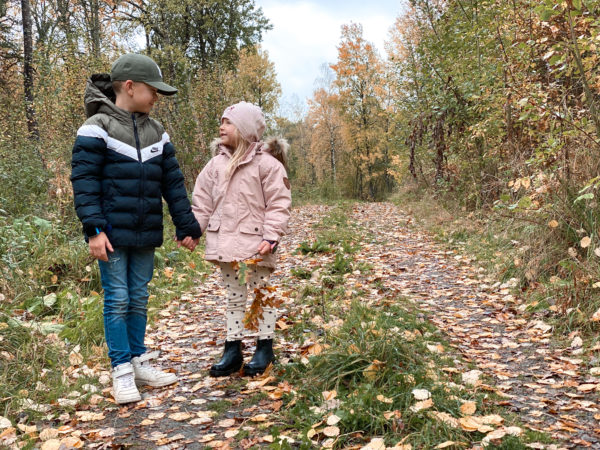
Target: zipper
x=141, y=190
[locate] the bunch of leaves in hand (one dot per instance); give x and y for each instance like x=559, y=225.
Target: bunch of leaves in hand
x=242, y=269
x=262, y=299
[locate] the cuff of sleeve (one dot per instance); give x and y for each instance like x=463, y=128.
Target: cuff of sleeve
x=271, y=237
x=194, y=233
x=92, y=230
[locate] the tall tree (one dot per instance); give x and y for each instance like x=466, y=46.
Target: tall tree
x=32, y=126
x=208, y=32
x=255, y=79
x=359, y=82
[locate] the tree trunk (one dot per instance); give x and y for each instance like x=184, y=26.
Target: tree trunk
x=32, y=126
x=440, y=146
x=95, y=28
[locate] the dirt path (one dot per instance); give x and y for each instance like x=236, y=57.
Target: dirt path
x=549, y=388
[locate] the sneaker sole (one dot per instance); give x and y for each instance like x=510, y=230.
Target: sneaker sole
x=128, y=400
x=154, y=384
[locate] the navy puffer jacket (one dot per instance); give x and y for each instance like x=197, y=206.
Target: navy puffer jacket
x=123, y=165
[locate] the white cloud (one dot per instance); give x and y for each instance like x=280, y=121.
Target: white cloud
x=305, y=35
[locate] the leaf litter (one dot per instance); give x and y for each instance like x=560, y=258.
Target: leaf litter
x=549, y=388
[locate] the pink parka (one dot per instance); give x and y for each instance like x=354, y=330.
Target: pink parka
x=235, y=215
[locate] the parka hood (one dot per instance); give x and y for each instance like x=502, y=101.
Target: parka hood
x=99, y=97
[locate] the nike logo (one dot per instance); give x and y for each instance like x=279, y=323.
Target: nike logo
x=154, y=149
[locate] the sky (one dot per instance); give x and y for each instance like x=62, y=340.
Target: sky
x=306, y=34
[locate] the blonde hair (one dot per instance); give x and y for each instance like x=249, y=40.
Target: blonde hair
x=237, y=155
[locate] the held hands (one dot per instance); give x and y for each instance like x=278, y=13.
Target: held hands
x=188, y=243
x=266, y=247
x=98, y=246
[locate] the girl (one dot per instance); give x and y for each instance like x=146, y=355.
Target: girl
x=242, y=201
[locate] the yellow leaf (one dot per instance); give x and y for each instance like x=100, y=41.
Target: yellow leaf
x=448, y=444
x=180, y=416
x=469, y=424
x=419, y=406
x=553, y=224
x=468, y=408
x=375, y=444
x=329, y=395
x=168, y=271
x=371, y=371
x=384, y=399
x=259, y=418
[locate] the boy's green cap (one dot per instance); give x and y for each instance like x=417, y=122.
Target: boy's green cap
x=136, y=67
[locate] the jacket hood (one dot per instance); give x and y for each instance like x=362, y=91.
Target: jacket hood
x=99, y=97
x=276, y=147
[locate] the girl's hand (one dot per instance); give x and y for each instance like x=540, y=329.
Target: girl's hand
x=266, y=247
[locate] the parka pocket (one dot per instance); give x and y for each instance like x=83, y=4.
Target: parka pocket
x=214, y=224
x=251, y=228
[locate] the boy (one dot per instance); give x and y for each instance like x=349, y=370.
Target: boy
x=123, y=164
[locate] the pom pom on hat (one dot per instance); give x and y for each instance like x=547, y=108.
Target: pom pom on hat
x=248, y=119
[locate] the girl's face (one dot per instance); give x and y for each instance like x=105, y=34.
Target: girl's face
x=228, y=134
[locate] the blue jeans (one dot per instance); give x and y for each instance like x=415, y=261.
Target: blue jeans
x=125, y=279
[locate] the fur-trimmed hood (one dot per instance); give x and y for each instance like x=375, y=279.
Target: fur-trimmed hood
x=275, y=146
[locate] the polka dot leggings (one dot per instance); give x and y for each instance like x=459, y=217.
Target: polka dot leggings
x=237, y=297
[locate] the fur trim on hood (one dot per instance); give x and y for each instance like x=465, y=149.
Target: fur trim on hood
x=275, y=146
x=278, y=148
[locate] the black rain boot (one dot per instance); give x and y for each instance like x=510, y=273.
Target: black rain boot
x=231, y=361
x=261, y=359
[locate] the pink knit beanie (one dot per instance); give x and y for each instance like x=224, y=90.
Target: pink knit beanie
x=248, y=119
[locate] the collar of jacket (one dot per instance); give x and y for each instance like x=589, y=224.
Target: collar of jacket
x=255, y=147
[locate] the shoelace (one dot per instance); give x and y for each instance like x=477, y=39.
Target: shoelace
x=126, y=382
x=146, y=365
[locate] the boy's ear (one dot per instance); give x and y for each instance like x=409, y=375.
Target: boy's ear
x=128, y=86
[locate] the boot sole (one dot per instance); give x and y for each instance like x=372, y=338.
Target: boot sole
x=253, y=372
x=223, y=373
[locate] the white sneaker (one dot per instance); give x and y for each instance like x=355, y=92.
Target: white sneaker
x=146, y=374
x=124, y=388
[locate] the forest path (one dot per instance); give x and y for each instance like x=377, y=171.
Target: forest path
x=549, y=388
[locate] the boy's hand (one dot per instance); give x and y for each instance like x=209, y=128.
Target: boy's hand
x=188, y=243
x=266, y=247
x=98, y=246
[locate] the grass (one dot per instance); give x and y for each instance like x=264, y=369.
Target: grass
x=372, y=356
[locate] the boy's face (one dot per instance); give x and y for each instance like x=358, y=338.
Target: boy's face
x=143, y=97
x=228, y=133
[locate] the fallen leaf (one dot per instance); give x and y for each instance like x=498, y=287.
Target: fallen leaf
x=421, y=394
x=333, y=419
x=419, y=406
x=468, y=408
x=88, y=416
x=585, y=242
x=375, y=444
x=471, y=378
x=331, y=431
x=180, y=416
x=384, y=399
x=329, y=395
